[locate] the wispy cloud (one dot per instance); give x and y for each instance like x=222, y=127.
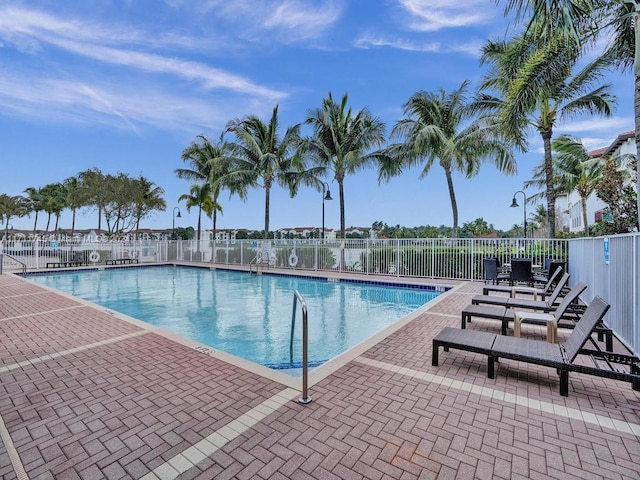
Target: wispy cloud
x=289, y=20
x=608, y=125
x=55, y=100
x=29, y=30
x=433, y=15
x=471, y=48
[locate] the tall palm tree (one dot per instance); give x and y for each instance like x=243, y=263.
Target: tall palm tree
x=620, y=20
x=440, y=126
x=579, y=170
x=341, y=141
x=536, y=88
x=210, y=165
x=34, y=198
x=260, y=154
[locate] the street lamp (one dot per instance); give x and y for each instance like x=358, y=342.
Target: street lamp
x=326, y=195
x=173, y=228
x=514, y=204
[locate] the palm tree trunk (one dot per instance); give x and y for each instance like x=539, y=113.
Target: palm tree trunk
x=35, y=223
x=342, y=221
x=454, y=203
x=73, y=221
x=267, y=190
x=48, y=222
x=199, y=226
x=550, y=193
x=585, y=218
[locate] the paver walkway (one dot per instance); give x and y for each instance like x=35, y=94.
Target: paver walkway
x=85, y=394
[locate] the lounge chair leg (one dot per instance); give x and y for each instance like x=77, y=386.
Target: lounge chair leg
x=635, y=384
x=434, y=355
x=564, y=382
x=491, y=371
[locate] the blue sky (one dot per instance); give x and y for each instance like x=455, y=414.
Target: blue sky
x=125, y=86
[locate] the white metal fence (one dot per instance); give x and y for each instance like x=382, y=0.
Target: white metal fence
x=610, y=267
x=431, y=258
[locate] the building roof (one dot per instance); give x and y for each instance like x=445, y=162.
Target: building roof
x=620, y=139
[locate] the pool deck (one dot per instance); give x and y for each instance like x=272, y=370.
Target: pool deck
x=89, y=394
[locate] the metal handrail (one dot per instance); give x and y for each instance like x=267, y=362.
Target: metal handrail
x=305, y=398
x=24, y=265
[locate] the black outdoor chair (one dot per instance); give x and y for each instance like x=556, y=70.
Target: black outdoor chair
x=521, y=271
x=491, y=273
x=550, y=267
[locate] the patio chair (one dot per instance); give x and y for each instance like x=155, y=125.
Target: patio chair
x=509, y=302
x=521, y=271
x=491, y=273
x=559, y=356
x=514, y=290
x=506, y=315
x=550, y=267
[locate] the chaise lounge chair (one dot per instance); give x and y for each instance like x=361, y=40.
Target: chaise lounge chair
x=545, y=305
x=506, y=315
x=522, y=289
x=559, y=356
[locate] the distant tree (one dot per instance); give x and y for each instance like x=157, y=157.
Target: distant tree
x=75, y=199
x=54, y=200
x=477, y=228
x=96, y=191
x=34, y=203
x=147, y=198
x=11, y=206
x=577, y=170
x=620, y=197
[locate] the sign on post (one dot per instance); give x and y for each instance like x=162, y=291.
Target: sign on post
x=606, y=250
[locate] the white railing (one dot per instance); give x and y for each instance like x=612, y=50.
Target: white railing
x=610, y=267
x=430, y=258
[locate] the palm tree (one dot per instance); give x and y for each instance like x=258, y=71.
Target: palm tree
x=198, y=196
x=74, y=190
x=340, y=142
x=11, y=206
x=579, y=170
x=434, y=128
x=210, y=165
x=536, y=88
x=147, y=198
x=34, y=199
x=620, y=19
x=260, y=154
x=53, y=201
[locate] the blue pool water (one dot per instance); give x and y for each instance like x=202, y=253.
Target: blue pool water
x=242, y=314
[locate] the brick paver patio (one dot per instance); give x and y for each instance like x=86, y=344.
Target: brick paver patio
x=87, y=395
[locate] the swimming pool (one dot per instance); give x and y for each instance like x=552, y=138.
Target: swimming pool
x=243, y=314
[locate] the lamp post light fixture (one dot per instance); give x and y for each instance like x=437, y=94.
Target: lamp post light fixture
x=173, y=228
x=326, y=195
x=514, y=204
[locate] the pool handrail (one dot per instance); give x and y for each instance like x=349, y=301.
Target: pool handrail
x=305, y=398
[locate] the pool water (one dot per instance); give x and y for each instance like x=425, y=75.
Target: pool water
x=243, y=314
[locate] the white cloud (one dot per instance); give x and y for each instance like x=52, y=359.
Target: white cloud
x=613, y=124
x=30, y=30
x=471, y=48
x=433, y=15
x=53, y=100
x=292, y=20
